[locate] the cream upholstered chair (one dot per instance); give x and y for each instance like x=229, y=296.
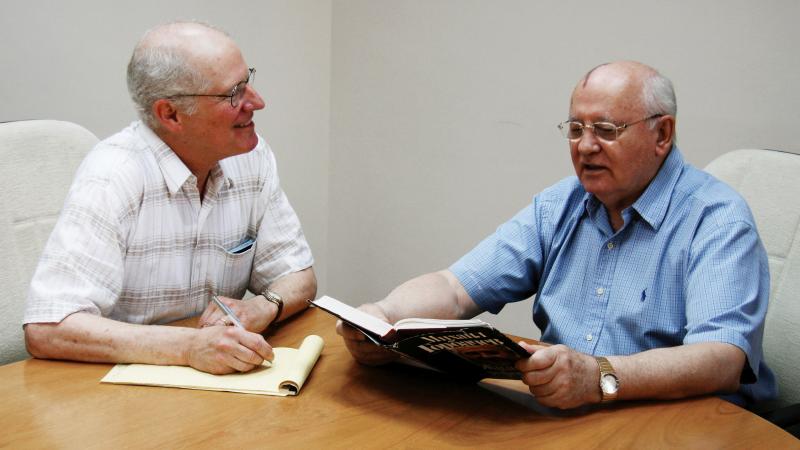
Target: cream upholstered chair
x=770, y=182
x=39, y=159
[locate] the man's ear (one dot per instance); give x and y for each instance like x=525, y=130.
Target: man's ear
x=666, y=134
x=167, y=115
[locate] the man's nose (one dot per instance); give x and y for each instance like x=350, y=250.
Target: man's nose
x=588, y=142
x=252, y=99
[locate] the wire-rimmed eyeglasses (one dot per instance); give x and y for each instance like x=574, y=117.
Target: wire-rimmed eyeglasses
x=236, y=94
x=607, y=131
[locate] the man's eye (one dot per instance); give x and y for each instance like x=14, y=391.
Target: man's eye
x=603, y=127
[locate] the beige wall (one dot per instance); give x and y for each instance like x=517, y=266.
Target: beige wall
x=407, y=130
x=66, y=60
x=443, y=112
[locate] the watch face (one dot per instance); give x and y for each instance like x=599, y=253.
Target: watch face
x=609, y=384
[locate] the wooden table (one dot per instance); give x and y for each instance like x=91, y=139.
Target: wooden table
x=55, y=404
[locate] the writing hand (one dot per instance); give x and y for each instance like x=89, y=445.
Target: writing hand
x=221, y=350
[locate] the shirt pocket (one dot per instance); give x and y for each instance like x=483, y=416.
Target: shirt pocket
x=237, y=264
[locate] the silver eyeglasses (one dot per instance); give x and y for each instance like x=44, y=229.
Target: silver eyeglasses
x=237, y=93
x=607, y=131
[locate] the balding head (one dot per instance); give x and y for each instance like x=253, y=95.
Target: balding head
x=172, y=59
x=646, y=88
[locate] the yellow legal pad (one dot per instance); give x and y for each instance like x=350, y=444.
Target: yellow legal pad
x=285, y=376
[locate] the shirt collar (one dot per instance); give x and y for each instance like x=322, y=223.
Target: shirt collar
x=653, y=203
x=173, y=170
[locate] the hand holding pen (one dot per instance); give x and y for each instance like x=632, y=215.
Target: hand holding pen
x=225, y=349
x=230, y=318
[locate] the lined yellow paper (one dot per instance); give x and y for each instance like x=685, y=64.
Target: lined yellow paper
x=285, y=376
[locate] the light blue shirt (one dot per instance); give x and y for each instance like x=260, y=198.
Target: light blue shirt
x=687, y=266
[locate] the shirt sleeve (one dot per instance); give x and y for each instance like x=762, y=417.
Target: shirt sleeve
x=727, y=290
x=505, y=266
x=82, y=264
x=281, y=246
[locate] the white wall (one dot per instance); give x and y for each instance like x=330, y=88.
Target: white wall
x=67, y=60
x=444, y=112
x=407, y=130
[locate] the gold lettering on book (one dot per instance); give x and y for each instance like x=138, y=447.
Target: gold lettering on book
x=430, y=348
x=453, y=337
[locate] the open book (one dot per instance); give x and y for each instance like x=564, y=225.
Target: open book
x=284, y=376
x=469, y=349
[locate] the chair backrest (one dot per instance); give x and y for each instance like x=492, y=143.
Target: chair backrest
x=39, y=159
x=770, y=182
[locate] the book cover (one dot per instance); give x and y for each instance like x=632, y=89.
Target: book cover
x=467, y=349
x=284, y=376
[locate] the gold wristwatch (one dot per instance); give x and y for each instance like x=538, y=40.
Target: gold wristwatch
x=609, y=382
x=274, y=298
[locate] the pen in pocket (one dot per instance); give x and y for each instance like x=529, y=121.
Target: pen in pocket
x=243, y=246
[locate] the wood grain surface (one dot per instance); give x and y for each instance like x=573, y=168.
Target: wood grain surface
x=58, y=404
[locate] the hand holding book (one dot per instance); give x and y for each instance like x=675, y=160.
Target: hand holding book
x=364, y=349
x=469, y=349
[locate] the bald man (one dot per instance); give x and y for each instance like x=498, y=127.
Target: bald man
x=649, y=275
x=178, y=207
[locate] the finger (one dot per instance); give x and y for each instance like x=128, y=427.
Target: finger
x=207, y=317
x=215, y=319
x=238, y=365
x=531, y=348
x=257, y=345
x=348, y=332
x=544, y=390
x=369, y=353
x=542, y=358
x=248, y=356
x=541, y=377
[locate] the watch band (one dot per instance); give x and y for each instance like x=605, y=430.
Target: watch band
x=608, y=389
x=277, y=300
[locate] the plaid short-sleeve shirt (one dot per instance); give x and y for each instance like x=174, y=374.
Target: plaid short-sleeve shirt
x=135, y=243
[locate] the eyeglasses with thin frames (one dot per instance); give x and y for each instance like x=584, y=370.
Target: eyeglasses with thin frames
x=607, y=131
x=237, y=93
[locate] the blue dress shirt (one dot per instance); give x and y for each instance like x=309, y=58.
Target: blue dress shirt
x=687, y=266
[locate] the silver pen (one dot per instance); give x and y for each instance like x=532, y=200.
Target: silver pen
x=228, y=312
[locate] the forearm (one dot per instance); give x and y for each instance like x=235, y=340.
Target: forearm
x=295, y=289
x=436, y=295
x=86, y=337
x=682, y=371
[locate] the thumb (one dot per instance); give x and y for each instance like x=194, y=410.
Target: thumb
x=531, y=348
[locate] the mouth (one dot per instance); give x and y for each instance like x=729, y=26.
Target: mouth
x=592, y=168
x=247, y=124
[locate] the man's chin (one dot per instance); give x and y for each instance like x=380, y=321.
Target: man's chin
x=248, y=144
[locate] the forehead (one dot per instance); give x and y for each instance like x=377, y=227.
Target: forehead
x=218, y=58
x=609, y=94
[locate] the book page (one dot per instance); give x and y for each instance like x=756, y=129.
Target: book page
x=432, y=324
x=284, y=376
x=354, y=316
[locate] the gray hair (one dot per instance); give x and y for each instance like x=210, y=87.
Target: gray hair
x=160, y=70
x=658, y=96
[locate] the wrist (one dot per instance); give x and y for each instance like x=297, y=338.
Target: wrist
x=274, y=303
x=383, y=312
x=608, y=380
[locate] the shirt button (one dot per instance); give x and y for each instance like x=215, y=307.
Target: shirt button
x=610, y=245
x=600, y=291
x=588, y=337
